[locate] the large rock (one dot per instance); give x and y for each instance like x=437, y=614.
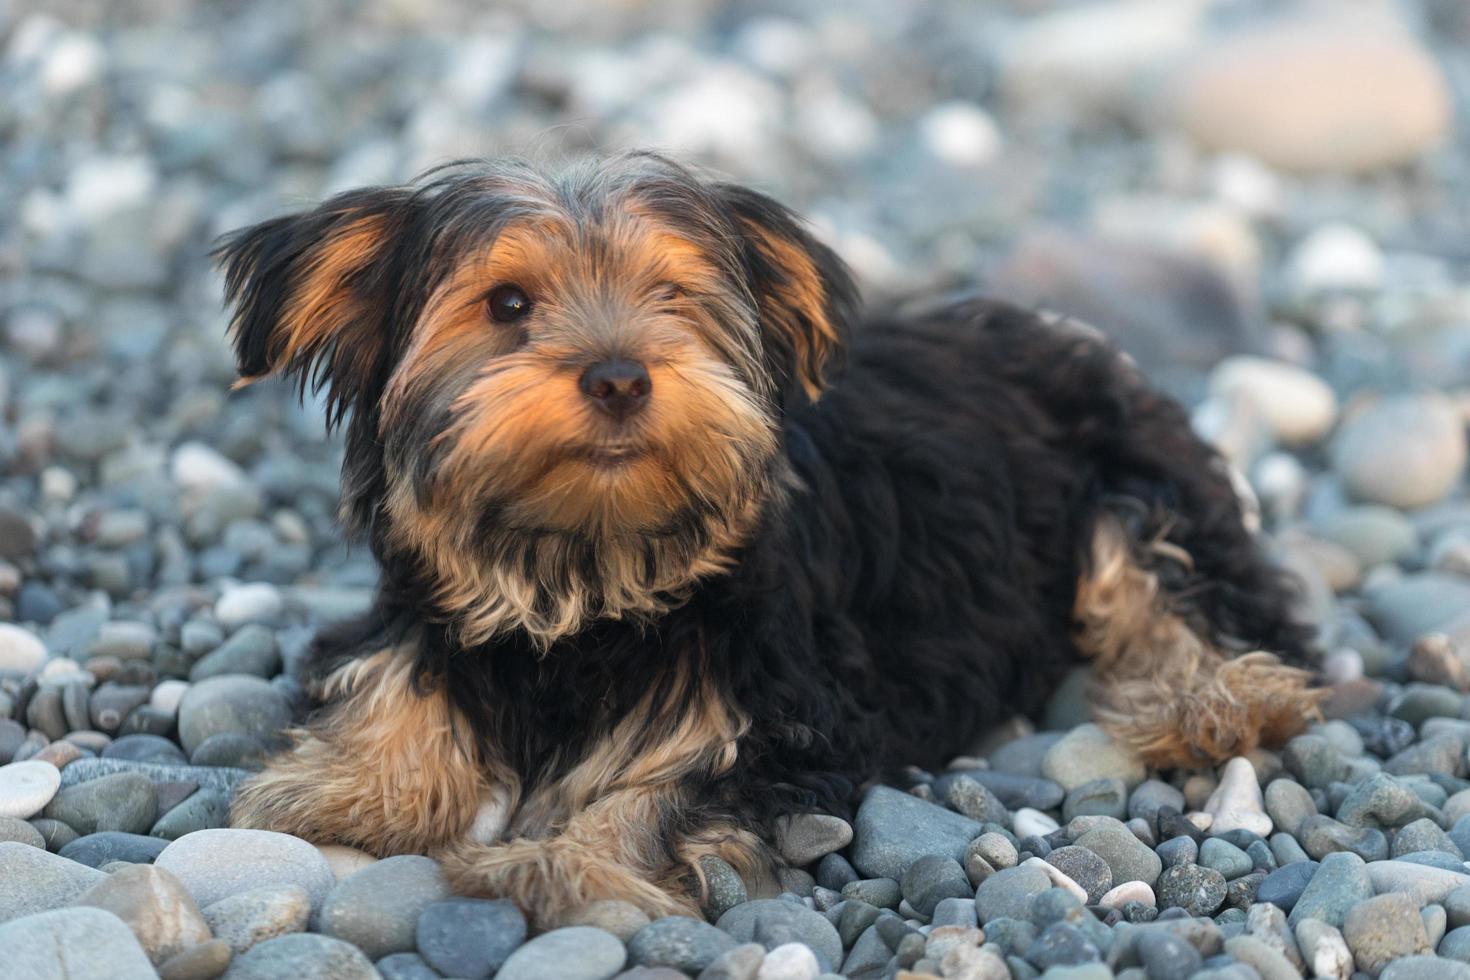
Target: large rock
x=154, y=905
x=75, y=944
x=238, y=703
x=893, y=829
x=377, y=909
x=36, y=880
x=1314, y=97
x=213, y=864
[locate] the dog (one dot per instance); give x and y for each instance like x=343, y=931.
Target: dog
x=676, y=540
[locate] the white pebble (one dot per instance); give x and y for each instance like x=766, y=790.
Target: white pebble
x=1129, y=891
x=1336, y=256
x=26, y=787
x=257, y=602
x=1237, y=804
x=167, y=695
x=60, y=667
x=200, y=469
x=20, y=650
x=58, y=484
x=1342, y=666
x=1032, y=823
x=1059, y=879
x=1298, y=406
x=960, y=133
x=789, y=961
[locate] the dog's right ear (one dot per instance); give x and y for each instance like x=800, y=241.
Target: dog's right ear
x=313, y=292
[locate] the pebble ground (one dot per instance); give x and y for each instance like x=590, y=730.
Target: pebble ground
x=1289, y=259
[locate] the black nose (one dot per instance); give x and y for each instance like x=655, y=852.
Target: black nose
x=619, y=388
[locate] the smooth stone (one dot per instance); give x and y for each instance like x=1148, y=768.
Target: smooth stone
x=1009, y=892
x=1176, y=851
x=154, y=905
x=256, y=602
x=1269, y=963
x=807, y=837
x=19, y=831
x=1323, y=835
x=145, y=748
x=406, y=966
x=1088, y=870
x=166, y=696
x=1087, y=753
x=233, y=750
x=1425, y=968
x=1225, y=858
x=681, y=943
x=96, y=850
x=123, y=802
x=968, y=796
x=1197, y=890
x=1150, y=797
x=1027, y=822
x=1284, y=886
x=237, y=703
x=258, y=914
x=572, y=953
x=224, y=780
x=251, y=650
x=1439, y=754
x=932, y=879
x=1323, y=949
x=1165, y=955
x=203, y=962
x=1455, y=944
x=344, y=860
x=206, y=809
x=1288, y=804
x=1129, y=891
x=214, y=864
x=1314, y=761
x=1268, y=923
x=21, y=650
x=38, y=880
x=1100, y=797
x=469, y=937
x=1383, y=929
x=1381, y=801
x=774, y=922
x=893, y=829
x=1406, y=451
x=1058, y=878
x=302, y=956
x=883, y=893
x=1013, y=790
x=1424, y=835
x=1298, y=406
x=378, y=908
x=622, y=919
x=1340, y=882
x=1128, y=858
x=74, y=944
x=1428, y=884
x=1237, y=803
x=26, y=788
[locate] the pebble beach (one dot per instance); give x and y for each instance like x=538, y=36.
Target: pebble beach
x=1266, y=204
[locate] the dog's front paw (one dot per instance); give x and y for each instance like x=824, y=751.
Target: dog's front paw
x=550, y=879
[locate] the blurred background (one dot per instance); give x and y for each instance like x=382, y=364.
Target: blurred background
x=1266, y=201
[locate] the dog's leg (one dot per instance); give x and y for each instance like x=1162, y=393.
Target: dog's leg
x=1162, y=684
x=626, y=822
x=386, y=769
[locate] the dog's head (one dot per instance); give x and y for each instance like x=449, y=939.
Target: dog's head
x=565, y=389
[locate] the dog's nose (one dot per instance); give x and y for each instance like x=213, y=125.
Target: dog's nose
x=619, y=388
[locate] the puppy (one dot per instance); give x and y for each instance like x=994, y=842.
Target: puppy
x=660, y=564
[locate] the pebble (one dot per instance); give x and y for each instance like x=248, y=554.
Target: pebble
x=774, y=922
x=1009, y=892
x=1406, y=451
x=125, y=802
x=1225, y=858
x=231, y=703
x=1197, y=890
x=250, y=650
x=1288, y=803
x=378, y=908
x=203, y=962
x=807, y=837
x=145, y=748
x=37, y=880
x=100, y=849
x=1088, y=870
x=405, y=966
x=1129, y=891
x=15, y=829
x=1237, y=803
x=1340, y=882
x=622, y=919
x=167, y=695
x=680, y=943
x=20, y=649
x=469, y=937
x=572, y=953
x=75, y=943
x=154, y=905
x=205, y=809
x=1128, y=858
x=257, y=914
x=258, y=602
x=893, y=829
x=26, y=787
x=1087, y=753
x=1384, y=928
x=1429, y=884
x=1298, y=406
x=302, y=956
x=214, y=864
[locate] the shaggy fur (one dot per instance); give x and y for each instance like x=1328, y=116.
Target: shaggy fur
x=607, y=647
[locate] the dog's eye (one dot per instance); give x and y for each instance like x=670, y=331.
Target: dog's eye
x=507, y=303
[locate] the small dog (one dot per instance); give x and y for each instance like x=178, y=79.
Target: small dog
x=660, y=564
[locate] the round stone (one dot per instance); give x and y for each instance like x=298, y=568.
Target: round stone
x=303, y=956
x=251, y=650
x=258, y=914
x=1084, y=867
x=26, y=787
x=1383, y=929
x=214, y=864
x=1406, y=451
x=97, y=850
x=681, y=943
x=807, y=837
x=930, y=880
x=1197, y=890
x=234, y=750
x=124, y=802
x=157, y=909
x=258, y=602
x=20, y=650
x=1225, y=858
x=1087, y=753
x=17, y=830
x=1128, y=858
x=1008, y=893
x=231, y=703
x=73, y=942
x=1298, y=406
x=469, y=937
x=377, y=909
x=573, y=953
x=774, y=922
x=145, y=748
x=36, y=880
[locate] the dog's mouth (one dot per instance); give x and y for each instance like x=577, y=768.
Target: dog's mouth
x=611, y=456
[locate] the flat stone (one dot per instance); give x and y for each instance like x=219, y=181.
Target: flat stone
x=96, y=850
x=1008, y=892
x=26, y=788
x=251, y=650
x=124, y=802
x=378, y=908
x=893, y=829
x=154, y=905
x=302, y=956
x=214, y=864
x=1225, y=858
x=74, y=943
x=206, y=809
x=1341, y=882
x=36, y=880
x=247, y=918
x=1197, y=890
x=1428, y=884
x=573, y=953
x=1284, y=886
x=238, y=703
x=1128, y=858
x=86, y=770
x=1087, y=753
x=469, y=937
x=681, y=943
x=1425, y=968
x=807, y=837
x=145, y=748
x=773, y=922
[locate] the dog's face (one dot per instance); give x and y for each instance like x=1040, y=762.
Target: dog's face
x=565, y=390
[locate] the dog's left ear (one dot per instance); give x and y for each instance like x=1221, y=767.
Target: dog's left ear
x=804, y=292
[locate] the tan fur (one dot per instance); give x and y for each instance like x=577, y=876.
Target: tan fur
x=601, y=831
x=798, y=310
x=1162, y=688
x=387, y=769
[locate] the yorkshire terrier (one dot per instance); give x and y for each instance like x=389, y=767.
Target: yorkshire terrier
x=675, y=540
